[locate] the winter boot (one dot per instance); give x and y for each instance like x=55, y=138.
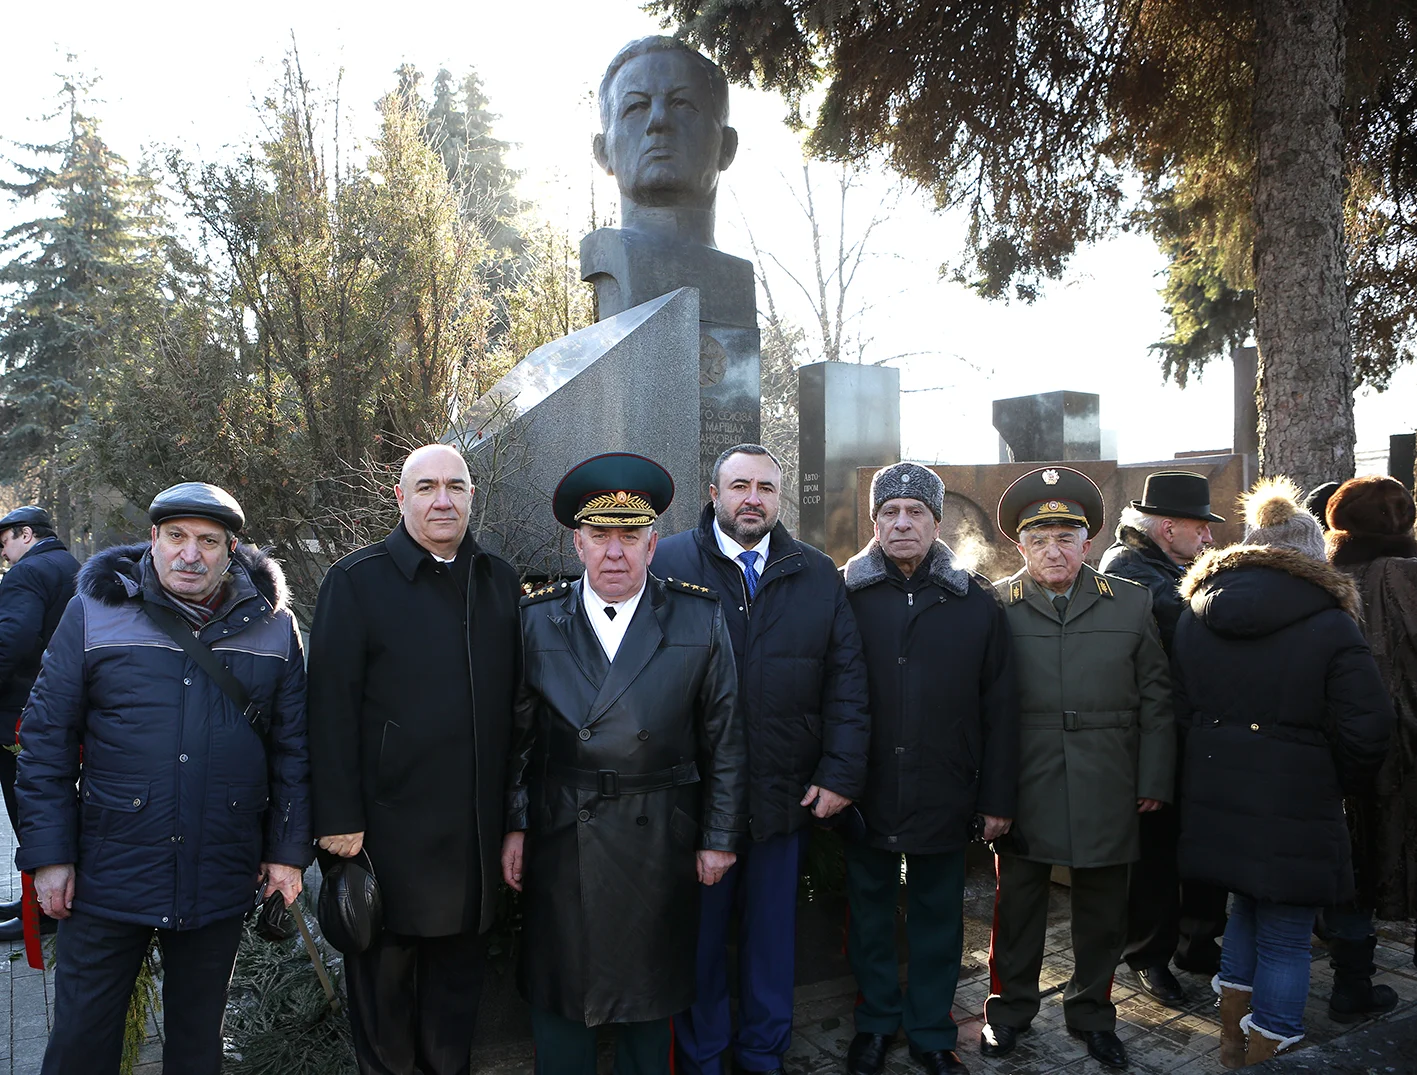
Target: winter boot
x=1354, y=995
x=1262, y=1044
x=1234, y=1006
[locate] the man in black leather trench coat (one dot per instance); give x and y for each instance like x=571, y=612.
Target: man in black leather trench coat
x=628, y=783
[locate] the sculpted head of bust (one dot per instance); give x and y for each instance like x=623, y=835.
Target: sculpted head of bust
x=664, y=127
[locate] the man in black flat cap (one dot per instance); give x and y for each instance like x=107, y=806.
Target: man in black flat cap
x=629, y=778
x=35, y=590
x=1097, y=749
x=414, y=662
x=186, y=795
x=1157, y=538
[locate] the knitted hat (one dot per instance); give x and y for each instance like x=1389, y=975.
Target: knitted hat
x=1275, y=515
x=1372, y=504
x=908, y=481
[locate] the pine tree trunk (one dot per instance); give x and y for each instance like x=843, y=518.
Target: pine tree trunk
x=1301, y=323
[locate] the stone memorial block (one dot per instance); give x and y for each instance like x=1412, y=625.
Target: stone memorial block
x=1049, y=427
x=625, y=384
x=665, y=138
x=1401, y=455
x=848, y=416
x=972, y=495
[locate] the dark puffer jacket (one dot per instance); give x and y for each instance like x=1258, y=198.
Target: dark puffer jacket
x=944, y=701
x=801, y=676
x=1135, y=556
x=32, y=598
x=1282, y=711
x=177, y=803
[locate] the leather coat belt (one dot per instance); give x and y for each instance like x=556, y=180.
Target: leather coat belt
x=611, y=783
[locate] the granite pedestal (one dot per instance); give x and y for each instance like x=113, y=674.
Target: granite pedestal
x=1049, y=427
x=626, y=384
x=629, y=268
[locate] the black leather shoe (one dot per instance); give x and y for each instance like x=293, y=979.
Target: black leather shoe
x=939, y=1061
x=14, y=929
x=995, y=1039
x=1104, y=1046
x=1160, y=984
x=867, y=1054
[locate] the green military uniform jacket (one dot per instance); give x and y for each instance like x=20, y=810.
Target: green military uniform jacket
x=1096, y=732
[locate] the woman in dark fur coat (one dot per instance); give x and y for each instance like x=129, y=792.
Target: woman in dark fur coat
x=1282, y=712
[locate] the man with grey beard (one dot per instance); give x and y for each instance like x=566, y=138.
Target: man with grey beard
x=802, y=687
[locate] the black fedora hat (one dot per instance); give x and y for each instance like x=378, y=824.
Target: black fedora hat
x=1177, y=494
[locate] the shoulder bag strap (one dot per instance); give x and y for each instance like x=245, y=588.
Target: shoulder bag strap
x=176, y=629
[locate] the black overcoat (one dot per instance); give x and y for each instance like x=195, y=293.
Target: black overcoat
x=801, y=677
x=944, y=701
x=1136, y=557
x=411, y=692
x=609, y=881
x=32, y=598
x=1282, y=711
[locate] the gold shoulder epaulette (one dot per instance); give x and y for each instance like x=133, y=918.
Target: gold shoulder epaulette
x=1104, y=585
x=691, y=587
x=549, y=590
x=1015, y=591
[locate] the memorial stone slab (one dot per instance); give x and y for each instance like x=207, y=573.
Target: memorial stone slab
x=1049, y=427
x=848, y=416
x=625, y=384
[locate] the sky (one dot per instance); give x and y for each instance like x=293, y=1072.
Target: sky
x=189, y=76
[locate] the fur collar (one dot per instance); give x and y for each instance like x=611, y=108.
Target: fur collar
x=868, y=567
x=1346, y=548
x=115, y=574
x=1327, y=578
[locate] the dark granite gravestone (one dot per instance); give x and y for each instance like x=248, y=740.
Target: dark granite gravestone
x=1049, y=427
x=1401, y=458
x=848, y=416
x=626, y=384
x=1246, y=367
x=665, y=138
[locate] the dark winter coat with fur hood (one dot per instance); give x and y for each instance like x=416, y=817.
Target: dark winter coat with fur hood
x=177, y=803
x=1282, y=711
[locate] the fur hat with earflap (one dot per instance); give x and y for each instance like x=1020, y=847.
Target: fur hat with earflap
x=1275, y=516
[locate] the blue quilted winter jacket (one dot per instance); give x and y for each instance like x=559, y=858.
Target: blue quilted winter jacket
x=177, y=802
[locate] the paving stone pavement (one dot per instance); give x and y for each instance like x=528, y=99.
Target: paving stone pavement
x=1160, y=1041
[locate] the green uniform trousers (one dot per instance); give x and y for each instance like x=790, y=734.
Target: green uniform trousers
x=565, y=1047
x=934, y=930
x=1099, y=922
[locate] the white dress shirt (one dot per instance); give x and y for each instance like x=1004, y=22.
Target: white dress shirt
x=732, y=549
x=609, y=631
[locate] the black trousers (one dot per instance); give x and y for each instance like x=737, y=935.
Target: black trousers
x=413, y=1003
x=97, y=964
x=565, y=1047
x=1165, y=915
x=7, y=778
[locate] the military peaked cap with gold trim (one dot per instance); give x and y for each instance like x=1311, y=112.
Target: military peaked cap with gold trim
x=1050, y=495
x=615, y=489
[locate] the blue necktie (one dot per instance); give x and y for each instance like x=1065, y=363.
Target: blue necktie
x=750, y=571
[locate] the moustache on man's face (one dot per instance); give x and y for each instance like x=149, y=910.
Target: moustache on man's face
x=198, y=568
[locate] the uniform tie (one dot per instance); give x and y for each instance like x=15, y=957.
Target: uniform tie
x=749, y=560
x=609, y=612
x=1060, y=602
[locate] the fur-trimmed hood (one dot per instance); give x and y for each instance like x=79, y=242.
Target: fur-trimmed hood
x=1252, y=590
x=115, y=574
x=868, y=567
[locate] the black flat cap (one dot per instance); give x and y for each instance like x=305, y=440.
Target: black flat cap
x=198, y=500
x=615, y=489
x=29, y=515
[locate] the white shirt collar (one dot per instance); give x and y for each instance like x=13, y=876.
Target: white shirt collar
x=732, y=549
x=610, y=632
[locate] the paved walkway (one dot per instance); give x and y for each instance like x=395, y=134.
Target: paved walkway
x=1160, y=1041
